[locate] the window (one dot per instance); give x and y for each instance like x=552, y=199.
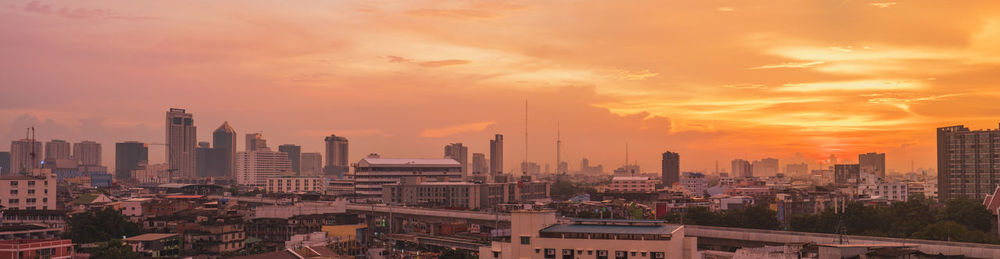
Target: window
x=525, y=240
x=13, y=201
x=13, y=183
x=31, y=192
x=31, y=183
x=13, y=192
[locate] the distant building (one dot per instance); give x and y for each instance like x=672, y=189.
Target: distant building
x=156, y=244
x=632, y=184
x=129, y=156
x=255, y=141
x=414, y=191
x=496, y=155
x=25, y=155
x=627, y=170
x=670, y=168
x=531, y=168
x=254, y=167
x=336, y=156
x=372, y=172
x=224, y=138
x=846, y=173
x=295, y=155
x=88, y=152
x=586, y=168
x=57, y=149
x=741, y=168
x=28, y=192
x=460, y=153
x=5, y=163
x=211, y=162
x=294, y=184
x=892, y=191
x=872, y=163
x=311, y=164
x=480, y=165
x=696, y=183
x=799, y=169
x=765, y=167
x=182, y=136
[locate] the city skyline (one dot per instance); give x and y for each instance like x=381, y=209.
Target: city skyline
x=773, y=90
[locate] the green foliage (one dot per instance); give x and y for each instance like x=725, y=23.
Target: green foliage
x=114, y=249
x=952, y=231
x=759, y=217
x=99, y=226
x=566, y=189
x=969, y=213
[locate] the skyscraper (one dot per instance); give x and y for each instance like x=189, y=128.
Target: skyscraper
x=671, y=168
x=181, y=140
x=224, y=139
x=57, y=149
x=460, y=153
x=766, y=167
x=254, y=167
x=496, y=154
x=741, y=168
x=311, y=164
x=25, y=155
x=5, y=163
x=255, y=141
x=293, y=152
x=130, y=155
x=967, y=162
x=336, y=156
x=479, y=164
x=872, y=163
x=87, y=152
x=211, y=162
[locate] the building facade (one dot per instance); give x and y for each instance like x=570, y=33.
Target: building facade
x=741, y=169
x=88, y=152
x=224, y=138
x=336, y=156
x=295, y=155
x=414, y=191
x=311, y=164
x=255, y=141
x=968, y=162
x=846, y=173
x=28, y=192
x=182, y=137
x=696, y=183
x=255, y=167
x=129, y=156
x=295, y=184
x=872, y=163
x=57, y=149
x=496, y=155
x=25, y=155
x=5, y=163
x=373, y=171
x=480, y=166
x=631, y=184
x=670, y=168
x=460, y=153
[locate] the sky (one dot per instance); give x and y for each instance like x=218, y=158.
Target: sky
x=711, y=80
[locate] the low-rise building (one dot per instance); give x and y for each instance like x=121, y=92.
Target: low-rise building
x=415, y=191
x=47, y=248
x=295, y=184
x=696, y=183
x=156, y=244
x=28, y=192
x=631, y=184
x=372, y=172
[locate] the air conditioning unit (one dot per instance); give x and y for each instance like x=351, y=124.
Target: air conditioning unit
x=620, y=253
x=567, y=252
x=602, y=253
x=658, y=255
x=550, y=252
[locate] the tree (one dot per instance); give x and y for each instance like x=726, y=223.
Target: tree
x=952, y=231
x=969, y=213
x=99, y=226
x=114, y=249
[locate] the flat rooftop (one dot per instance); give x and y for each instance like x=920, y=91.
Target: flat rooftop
x=642, y=228
x=150, y=237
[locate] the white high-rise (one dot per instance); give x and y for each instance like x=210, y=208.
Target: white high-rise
x=87, y=152
x=25, y=155
x=57, y=149
x=181, y=142
x=254, y=167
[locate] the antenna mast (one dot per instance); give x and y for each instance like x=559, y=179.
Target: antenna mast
x=558, y=148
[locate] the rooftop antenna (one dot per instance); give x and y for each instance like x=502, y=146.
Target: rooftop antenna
x=558, y=148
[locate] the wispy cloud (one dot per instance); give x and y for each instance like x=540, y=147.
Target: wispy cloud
x=441, y=63
x=78, y=13
x=860, y=85
x=636, y=75
x=456, y=129
x=726, y=9
x=791, y=65
x=883, y=4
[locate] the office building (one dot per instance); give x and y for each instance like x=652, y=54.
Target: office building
x=254, y=167
x=496, y=154
x=480, y=166
x=696, y=183
x=417, y=191
x=741, y=168
x=130, y=156
x=967, y=162
x=28, y=192
x=766, y=167
x=25, y=156
x=295, y=155
x=224, y=138
x=531, y=168
x=311, y=164
x=846, y=174
x=336, y=156
x=5, y=163
x=294, y=184
x=631, y=184
x=373, y=171
x=88, y=152
x=460, y=153
x=211, y=162
x=537, y=234
x=872, y=163
x=670, y=168
x=57, y=149
x=799, y=169
x=255, y=141
x=181, y=140
x=586, y=168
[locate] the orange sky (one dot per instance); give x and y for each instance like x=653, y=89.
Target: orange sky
x=713, y=80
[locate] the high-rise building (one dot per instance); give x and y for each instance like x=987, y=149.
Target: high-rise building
x=336, y=156
x=224, y=138
x=5, y=163
x=181, y=140
x=766, y=167
x=799, y=169
x=311, y=164
x=968, y=162
x=211, y=162
x=496, y=154
x=845, y=173
x=741, y=168
x=294, y=154
x=254, y=167
x=130, y=155
x=671, y=168
x=872, y=163
x=531, y=168
x=255, y=141
x=586, y=168
x=57, y=149
x=479, y=164
x=25, y=155
x=460, y=153
x=87, y=152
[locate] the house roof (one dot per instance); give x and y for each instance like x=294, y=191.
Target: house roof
x=150, y=237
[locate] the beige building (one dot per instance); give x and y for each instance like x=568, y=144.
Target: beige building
x=181, y=141
x=312, y=164
x=87, y=152
x=414, y=191
x=292, y=184
x=631, y=184
x=255, y=167
x=28, y=192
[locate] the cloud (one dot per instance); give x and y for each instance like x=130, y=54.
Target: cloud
x=456, y=129
x=481, y=10
x=636, y=75
x=441, y=63
x=79, y=13
x=726, y=9
x=860, y=85
x=791, y=65
x=38, y=7
x=346, y=133
x=883, y=4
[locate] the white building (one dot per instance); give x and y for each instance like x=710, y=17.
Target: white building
x=254, y=167
x=631, y=184
x=893, y=191
x=537, y=234
x=696, y=183
x=292, y=184
x=87, y=152
x=28, y=192
x=372, y=172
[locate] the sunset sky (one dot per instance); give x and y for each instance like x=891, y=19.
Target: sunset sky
x=712, y=80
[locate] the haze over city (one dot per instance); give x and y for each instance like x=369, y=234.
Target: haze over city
x=712, y=80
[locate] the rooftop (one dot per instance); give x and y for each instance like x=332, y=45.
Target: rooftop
x=630, y=178
x=612, y=226
x=407, y=162
x=150, y=237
